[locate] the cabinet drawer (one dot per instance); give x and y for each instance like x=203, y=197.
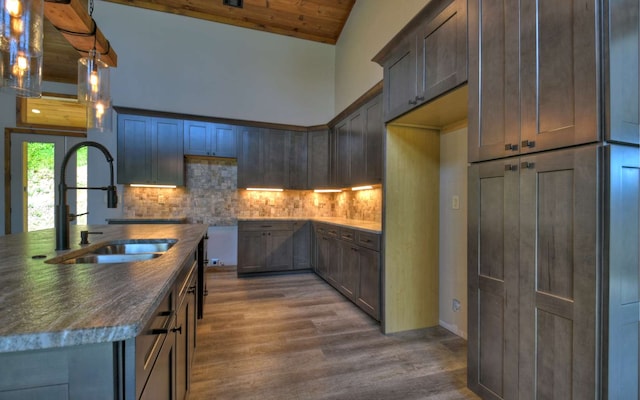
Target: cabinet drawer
x=185, y=280
x=368, y=240
x=265, y=226
x=347, y=234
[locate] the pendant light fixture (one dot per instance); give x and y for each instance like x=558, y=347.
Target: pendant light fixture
x=21, y=36
x=94, y=86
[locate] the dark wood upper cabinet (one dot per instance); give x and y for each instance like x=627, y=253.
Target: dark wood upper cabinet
x=426, y=59
x=150, y=150
x=249, y=157
x=558, y=74
x=494, y=103
x=298, y=161
x=374, y=131
x=265, y=158
x=209, y=139
x=622, y=71
x=319, y=156
x=533, y=76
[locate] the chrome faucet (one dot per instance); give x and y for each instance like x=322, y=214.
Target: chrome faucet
x=62, y=209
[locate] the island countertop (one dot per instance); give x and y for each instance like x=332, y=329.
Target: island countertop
x=54, y=305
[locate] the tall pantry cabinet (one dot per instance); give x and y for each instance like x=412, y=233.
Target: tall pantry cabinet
x=553, y=199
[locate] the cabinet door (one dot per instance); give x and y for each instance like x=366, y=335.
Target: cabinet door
x=182, y=369
x=301, y=245
x=374, y=139
x=494, y=112
x=559, y=74
x=400, y=80
x=167, y=148
x=134, y=149
x=324, y=255
x=349, y=271
x=275, y=148
x=280, y=250
x=252, y=251
x=622, y=31
x=298, y=168
x=319, y=166
x=559, y=274
x=368, y=291
x=343, y=152
x=493, y=267
x=161, y=382
x=357, y=150
x=622, y=233
x=442, y=52
x=226, y=141
x=333, y=262
x=197, y=138
x=250, y=173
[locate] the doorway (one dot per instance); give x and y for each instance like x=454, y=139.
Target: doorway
x=34, y=162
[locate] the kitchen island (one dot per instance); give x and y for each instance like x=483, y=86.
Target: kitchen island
x=71, y=330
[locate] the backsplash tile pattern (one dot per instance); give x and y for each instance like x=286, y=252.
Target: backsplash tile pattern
x=211, y=197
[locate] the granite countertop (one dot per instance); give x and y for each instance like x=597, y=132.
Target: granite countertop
x=137, y=220
x=369, y=226
x=54, y=305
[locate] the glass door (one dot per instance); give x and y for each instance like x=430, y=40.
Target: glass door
x=36, y=161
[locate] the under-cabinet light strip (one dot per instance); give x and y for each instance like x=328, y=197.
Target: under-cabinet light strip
x=265, y=189
x=361, y=188
x=153, y=186
x=327, y=190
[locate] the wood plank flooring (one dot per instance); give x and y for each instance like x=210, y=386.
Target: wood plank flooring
x=291, y=337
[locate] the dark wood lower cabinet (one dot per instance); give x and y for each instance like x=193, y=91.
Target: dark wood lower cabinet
x=553, y=238
x=349, y=260
x=272, y=246
x=161, y=384
x=368, y=290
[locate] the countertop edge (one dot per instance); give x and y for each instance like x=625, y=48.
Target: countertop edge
x=352, y=224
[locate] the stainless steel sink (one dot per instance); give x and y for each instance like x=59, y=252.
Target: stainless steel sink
x=111, y=258
x=117, y=251
x=135, y=248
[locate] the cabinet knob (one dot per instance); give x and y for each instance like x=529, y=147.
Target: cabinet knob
x=529, y=143
x=419, y=98
x=527, y=165
x=178, y=329
x=512, y=147
x=192, y=289
x=413, y=102
x=509, y=167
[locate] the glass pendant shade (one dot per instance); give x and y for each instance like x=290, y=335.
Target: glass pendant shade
x=21, y=34
x=93, y=79
x=99, y=116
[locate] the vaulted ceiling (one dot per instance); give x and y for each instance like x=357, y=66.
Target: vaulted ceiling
x=315, y=20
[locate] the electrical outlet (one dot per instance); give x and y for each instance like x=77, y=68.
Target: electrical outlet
x=456, y=305
x=215, y=262
x=455, y=202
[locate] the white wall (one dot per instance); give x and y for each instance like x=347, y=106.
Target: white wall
x=371, y=25
x=453, y=230
x=173, y=63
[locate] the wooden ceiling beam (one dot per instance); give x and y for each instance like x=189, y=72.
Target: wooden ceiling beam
x=72, y=20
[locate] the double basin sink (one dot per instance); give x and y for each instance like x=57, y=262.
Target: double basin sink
x=117, y=251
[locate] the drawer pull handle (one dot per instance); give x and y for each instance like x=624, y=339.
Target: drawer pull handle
x=527, y=165
x=266, y=226
x=528, y=143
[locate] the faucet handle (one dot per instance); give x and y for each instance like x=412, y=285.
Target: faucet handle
x=72, y=217
x=84, y=236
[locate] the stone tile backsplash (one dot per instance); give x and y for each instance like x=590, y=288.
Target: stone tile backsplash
x=211, y=197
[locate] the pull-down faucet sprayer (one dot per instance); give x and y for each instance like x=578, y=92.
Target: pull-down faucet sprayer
x=62, y=209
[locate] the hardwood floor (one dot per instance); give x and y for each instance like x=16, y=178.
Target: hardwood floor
x=295, y=337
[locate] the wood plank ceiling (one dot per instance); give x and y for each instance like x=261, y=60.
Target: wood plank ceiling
x=316, y=20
